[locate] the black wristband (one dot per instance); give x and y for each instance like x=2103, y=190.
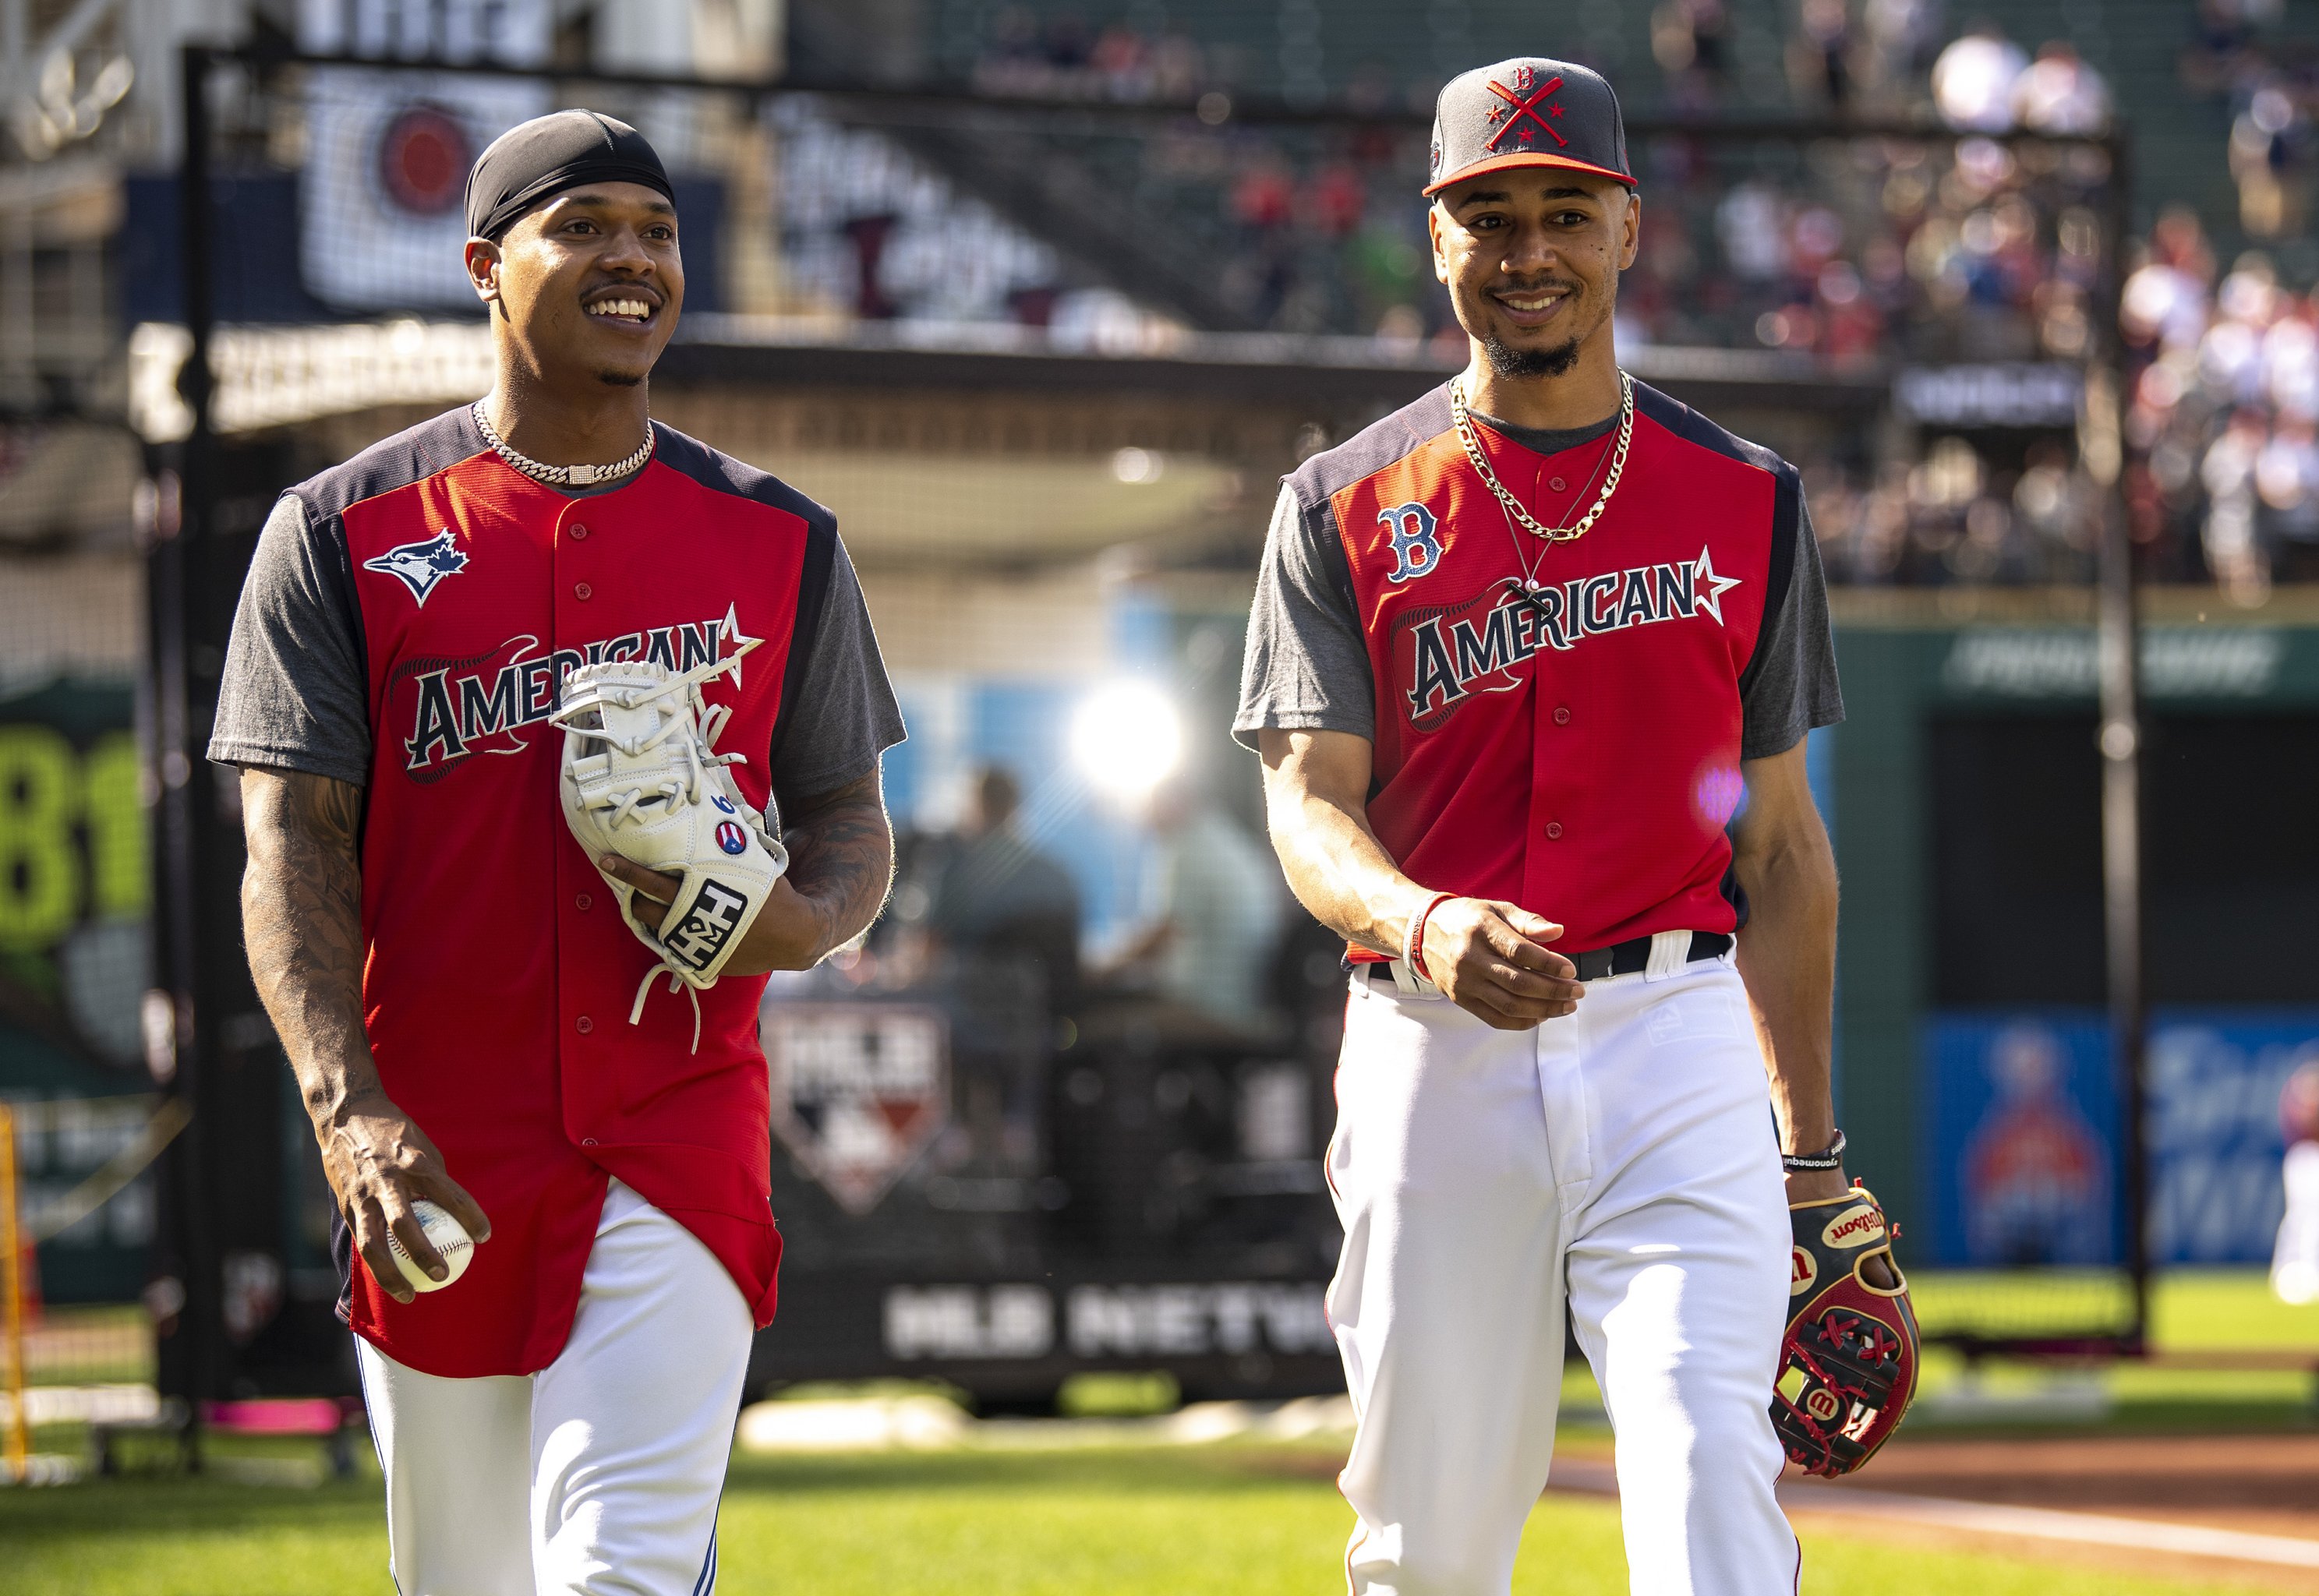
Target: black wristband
x=1809, y=1163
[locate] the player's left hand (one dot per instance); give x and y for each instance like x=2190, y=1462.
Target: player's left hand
x=787, y=933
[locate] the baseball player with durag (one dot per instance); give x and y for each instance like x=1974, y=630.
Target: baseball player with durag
x=558, y=730
x=1530, y=668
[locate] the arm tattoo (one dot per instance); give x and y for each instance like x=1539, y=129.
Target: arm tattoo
x=302, y=918
x=842, y=856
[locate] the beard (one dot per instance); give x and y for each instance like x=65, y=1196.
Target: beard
x=1514, y=364
x=619, y=379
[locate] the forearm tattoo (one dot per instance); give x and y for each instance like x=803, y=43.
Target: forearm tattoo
x=842, y=857
x=302, y=918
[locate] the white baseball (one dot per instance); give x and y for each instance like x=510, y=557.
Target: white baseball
x=446, y=1235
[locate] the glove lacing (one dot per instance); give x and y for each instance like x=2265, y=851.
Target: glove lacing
x=710, y=719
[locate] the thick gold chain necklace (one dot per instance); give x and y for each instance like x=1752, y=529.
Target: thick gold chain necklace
x=1514, y=507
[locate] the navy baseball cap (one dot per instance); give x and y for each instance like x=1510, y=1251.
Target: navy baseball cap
x=1528, y=112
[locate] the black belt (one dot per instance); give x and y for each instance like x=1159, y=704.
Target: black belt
x=1633, y=956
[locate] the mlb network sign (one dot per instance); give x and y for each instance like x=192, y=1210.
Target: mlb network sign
x=1105, y=1321
x=2025, y=1133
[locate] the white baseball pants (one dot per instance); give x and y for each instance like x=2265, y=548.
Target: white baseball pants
x=1623, y=1155
x=599, y=1475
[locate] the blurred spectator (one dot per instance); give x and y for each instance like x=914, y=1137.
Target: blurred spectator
x=1897, y=38
x=991, y=894
x=2061, y=94
x=1208, y=944
x=2294, y=1261
x=1973, y=80
x=2268, y=154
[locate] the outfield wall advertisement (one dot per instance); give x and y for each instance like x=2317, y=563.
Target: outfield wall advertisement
x=2022, y=1127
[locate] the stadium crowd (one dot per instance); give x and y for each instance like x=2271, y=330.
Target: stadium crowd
x=1976, y=248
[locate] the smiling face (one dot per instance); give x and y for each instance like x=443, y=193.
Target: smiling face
x=1531, y=258
x=589, y=286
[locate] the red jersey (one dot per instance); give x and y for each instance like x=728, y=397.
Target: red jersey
x=1557, y=725
x=497, y=971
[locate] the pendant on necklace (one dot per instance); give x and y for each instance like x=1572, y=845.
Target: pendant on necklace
x=1532, y=595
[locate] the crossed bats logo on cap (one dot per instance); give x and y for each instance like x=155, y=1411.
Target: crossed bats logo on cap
x=1521, y=106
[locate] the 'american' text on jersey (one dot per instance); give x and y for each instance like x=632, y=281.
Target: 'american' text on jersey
x=1451, y=653
x=465, y=706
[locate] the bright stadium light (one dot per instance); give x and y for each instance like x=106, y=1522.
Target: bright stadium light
x=1127, y=738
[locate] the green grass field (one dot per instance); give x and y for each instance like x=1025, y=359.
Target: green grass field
x=1237, y=1517
x=1110, y=1522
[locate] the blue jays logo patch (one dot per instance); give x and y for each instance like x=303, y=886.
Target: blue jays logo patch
x=420, y=565
x=1416, y=551
x=731, y=837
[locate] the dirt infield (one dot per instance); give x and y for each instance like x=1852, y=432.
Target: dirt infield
x=2265, y=1484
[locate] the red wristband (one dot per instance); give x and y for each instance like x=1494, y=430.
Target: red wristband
x=1412, y=947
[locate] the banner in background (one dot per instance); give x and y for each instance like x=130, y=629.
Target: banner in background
x=2023, y=1135
x=75, y=892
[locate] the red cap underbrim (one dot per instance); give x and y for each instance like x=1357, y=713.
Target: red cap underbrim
x=1526, y=157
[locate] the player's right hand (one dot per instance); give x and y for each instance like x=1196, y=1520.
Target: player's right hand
x=1490, y=959
x=379, y=1163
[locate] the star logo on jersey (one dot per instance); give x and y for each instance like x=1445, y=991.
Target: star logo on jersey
x=422, y=567
x=1708, y=588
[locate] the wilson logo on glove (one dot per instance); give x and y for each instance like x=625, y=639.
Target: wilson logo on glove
x=642, y=780
x=1849, y=1359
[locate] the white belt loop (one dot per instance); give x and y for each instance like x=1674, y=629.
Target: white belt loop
x=1670, y=955
x=1409, y=983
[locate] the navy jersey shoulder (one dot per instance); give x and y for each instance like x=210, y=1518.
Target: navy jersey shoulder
x=1787, y=502
x=719, y=473
x=1370, y=450
x=1693, y=428
x=411, y=456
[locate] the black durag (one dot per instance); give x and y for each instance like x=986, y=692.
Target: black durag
x=532, y=163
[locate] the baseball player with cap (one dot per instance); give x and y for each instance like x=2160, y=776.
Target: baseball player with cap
x=464, y=993
x=1530, y=668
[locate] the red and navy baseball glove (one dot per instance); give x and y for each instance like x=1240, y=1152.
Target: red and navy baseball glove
x=1848, y=1365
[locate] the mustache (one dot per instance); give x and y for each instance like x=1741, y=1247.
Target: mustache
x=1566, y=285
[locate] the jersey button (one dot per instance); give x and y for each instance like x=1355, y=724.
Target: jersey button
x=584, y=903
x=583, y=1024
x=1561, y=714
x=1553, y=829
x=1555, y=483
x=578, y=531
x=587, y=1142
x=581, y=591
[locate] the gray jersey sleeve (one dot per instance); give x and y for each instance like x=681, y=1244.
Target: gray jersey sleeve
x=1795, y=686
x=840, y=714
x=1307, y=666
x=294, y=695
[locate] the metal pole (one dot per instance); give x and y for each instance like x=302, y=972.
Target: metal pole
x=171, y=590
x=2118, y=648
x=19, y=1451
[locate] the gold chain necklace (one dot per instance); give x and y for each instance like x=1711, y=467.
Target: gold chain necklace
x=562, y=476
x=1513, y=507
